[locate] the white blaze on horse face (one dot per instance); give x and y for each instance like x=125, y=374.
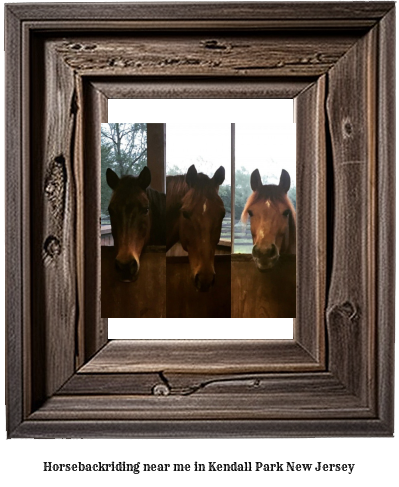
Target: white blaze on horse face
x=204, y=207
x=265, y=237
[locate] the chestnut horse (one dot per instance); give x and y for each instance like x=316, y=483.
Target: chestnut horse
x=194, y=214
x=273, y=220
x=137, y=218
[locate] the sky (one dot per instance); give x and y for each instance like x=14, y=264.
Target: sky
x=201, y=129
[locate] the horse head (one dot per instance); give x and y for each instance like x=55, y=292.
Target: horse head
x=273, y=220
x=129, y=210
x=200, y=223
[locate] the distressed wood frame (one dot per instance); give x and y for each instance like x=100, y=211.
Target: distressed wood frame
x=64, y=379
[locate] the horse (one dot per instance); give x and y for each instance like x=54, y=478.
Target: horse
x=137, y=215
x=273, y=220
x=194, y=214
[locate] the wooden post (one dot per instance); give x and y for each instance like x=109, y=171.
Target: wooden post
x=156, y=155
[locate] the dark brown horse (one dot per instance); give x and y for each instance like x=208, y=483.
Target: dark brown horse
x=194, y=214
x=273, y=220
x=137, y=218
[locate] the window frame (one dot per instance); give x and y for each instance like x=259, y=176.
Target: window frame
x=63, y=378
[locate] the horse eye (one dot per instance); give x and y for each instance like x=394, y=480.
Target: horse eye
x=286, y=213
x=250, y=213
x=186, y=214
x=145, y=210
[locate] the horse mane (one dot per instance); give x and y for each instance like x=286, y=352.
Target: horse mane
x=176, y=188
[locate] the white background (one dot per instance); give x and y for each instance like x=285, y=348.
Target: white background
x=278, y=131
x=376, y=459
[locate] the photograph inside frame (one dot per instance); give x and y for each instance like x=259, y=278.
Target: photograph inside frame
x=198, y=220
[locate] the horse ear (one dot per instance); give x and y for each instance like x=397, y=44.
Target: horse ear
x=219, y=176
x=144, y=178
x=191, y=176
x=285, y=181
x=256, y=180
x=112, y=179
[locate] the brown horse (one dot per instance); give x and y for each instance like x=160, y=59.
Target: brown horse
x=137, y=218
x=194, y=214
x=273, y=220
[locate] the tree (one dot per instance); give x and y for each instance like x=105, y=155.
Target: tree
x=225, y=194
x=292, y=195
x=128, y=143
x=242, y=190
x=124, y=150
x=174, y=171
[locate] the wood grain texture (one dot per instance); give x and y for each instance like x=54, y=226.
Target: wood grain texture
x=385, y=245
x=330, y=404
x=247, y=428
x=256, y=294
x=241, y=55
x=103, y=324
x=184, y=301
x=144, y=298
x=17, y=322
x=361, y=14
x=137, y=384
x=200, y=357
x=53, y=210
x=262, y=87
x=351, y=307
x=311, y=217
x=95, y=331
x=112, y=384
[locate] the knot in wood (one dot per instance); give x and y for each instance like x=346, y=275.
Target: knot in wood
x=90, y=47
x=52, y=246
x=347, y=128
x=50, y=188
x=213, y=44
x=161, y=390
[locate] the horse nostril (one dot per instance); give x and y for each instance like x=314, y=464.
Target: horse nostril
x=127, y=269
x=271, y=251
x=255, y=251
x=204, y=281
x=133, y=267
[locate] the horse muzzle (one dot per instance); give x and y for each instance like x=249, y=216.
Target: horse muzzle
x=203, y=282
x=267, y=259
x=128, y=271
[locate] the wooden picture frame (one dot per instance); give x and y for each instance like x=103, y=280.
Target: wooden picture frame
x=64, y=379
